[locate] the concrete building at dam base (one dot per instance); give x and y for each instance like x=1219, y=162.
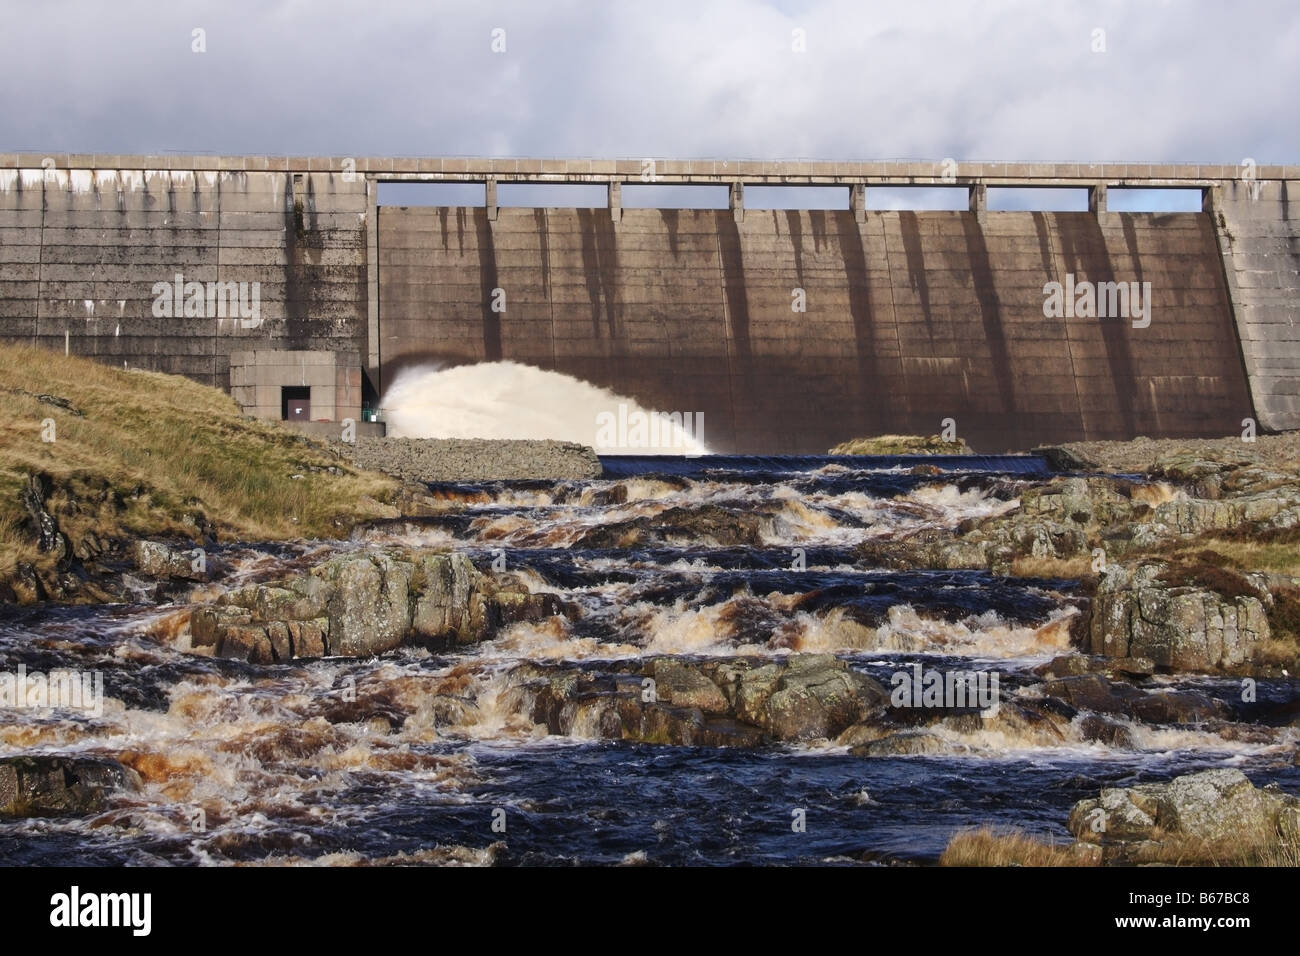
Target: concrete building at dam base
x=286, y=282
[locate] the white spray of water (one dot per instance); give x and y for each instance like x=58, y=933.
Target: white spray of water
x=510, y=400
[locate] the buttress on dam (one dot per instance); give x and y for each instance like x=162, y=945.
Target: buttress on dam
x=908, y=317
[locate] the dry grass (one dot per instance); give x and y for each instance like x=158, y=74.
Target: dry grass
x=17, y=545
x=1079, y=566
x=1280, y=557
x=1277, y=652
x=1208, y=572
x=991, y=847
x=1286, y=853
x=987, y=846
x=1237, y=851
x=150, y=451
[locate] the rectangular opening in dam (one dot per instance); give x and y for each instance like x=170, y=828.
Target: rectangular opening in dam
x=553, y=195
x=1129, y=199
x=1037, y=199
x=796, y=197
x=652, y=196
x=940, y=198
x=432, y=194
x=295, y=403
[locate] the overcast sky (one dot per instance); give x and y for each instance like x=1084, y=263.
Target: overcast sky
x=1179, y=80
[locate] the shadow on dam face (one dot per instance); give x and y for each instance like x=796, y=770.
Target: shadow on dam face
x=793, y=332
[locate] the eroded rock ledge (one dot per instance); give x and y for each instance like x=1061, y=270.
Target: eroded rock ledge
x=365, y=603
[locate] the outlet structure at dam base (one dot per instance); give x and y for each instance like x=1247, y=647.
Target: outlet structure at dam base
x=285, y=282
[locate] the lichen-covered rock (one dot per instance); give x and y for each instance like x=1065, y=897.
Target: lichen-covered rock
x=685, y=686
x=734, y=702
x=818, y=696
x=1182, y=628
x=1212, y=811
x=365, y=603
x=699, y=524
x=156, y=560
x=902, y=445
x=619, y=706
x=1198, y=516
x=445, y=607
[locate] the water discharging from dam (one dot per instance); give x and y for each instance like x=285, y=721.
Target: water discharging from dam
x=512, y=400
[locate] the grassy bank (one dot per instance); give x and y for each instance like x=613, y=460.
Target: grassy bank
x=147, y=454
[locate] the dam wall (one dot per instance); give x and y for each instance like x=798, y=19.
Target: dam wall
x=788, y=330
x=1259, y=235
x=87, y=253
x=911, y=318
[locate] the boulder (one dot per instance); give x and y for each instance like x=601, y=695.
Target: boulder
x=618, y=706
x=1214, y=813
x=1093, y=693
x=363, y=603
x=1096, y=694
x=702, y=524
x=154, y=559
x=1070, y=665
x=367, y=602
x=1063, y=458
x=735, y=702
x=819, y=696
x=33, y=786
x=1180, y=628
x=448, y=604
x=1108, y=732
x=1200, y=516
x=679, y=683
x=902, y=445
x=908, y=743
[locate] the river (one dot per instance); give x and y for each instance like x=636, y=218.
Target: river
x=427, y=757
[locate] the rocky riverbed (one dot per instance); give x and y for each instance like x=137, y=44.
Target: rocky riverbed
x=690, y=660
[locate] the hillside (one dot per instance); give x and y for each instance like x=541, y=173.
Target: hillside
x=142, y=454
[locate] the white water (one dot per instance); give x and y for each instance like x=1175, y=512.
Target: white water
x=510, y=400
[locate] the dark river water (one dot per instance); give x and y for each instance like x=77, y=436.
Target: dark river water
x=265, y=764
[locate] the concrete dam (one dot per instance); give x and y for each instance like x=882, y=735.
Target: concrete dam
x=286, y=282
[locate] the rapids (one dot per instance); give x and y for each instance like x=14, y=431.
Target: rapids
x=407, y=758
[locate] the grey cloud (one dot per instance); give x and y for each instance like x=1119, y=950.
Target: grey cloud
x=1179, y=81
